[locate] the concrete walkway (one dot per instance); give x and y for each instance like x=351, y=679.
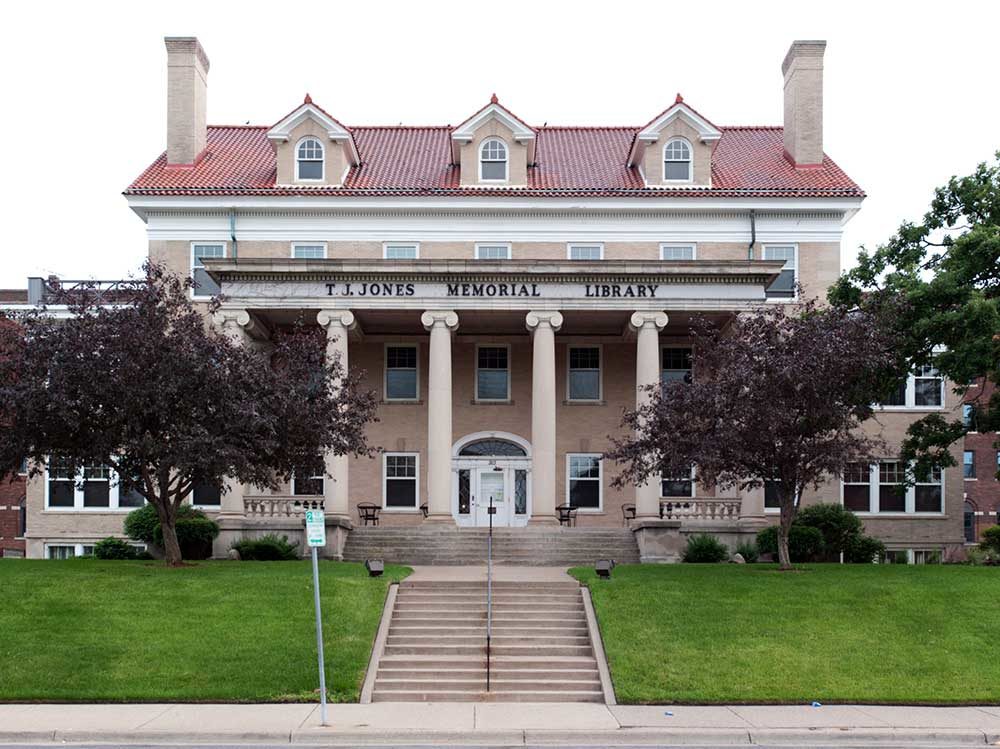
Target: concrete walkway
x=508, y=724
x=502, y=573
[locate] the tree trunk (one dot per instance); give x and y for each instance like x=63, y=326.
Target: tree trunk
x=784, y=528
x=168, y=526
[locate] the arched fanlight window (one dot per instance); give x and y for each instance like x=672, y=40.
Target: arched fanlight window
x=309, y=160
x=677, y=161
x=492, y=448
x=493, y=160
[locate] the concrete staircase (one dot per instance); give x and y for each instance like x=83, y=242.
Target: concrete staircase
x=539, y=546
x=436, y=645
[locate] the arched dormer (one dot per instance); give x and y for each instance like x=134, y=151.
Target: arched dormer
x=493, y=147
x=309, y=142
x=675, y=143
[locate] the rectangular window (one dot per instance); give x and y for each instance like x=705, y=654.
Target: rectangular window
x=928, y=386
x=307, y=481
x=857, y=487
x=584, y=378
x=306, y=251
x=464, y=491
x=22, y=519
x=897, y=397
x=969, y=417
x=681, y=486
x=492, y=373
x=677, y=252
x=891, y=496
x=61, y=484
x=675, y=363
x=586, y=252
x=784, y=285
x=206, y=495
x=130, y=497
x=969, y=464
x=928, y=493
x=401, y=251
x=23, y=468
x=772, y=500
x=583, y=481
x=399, y=489
x=62, y=551
x=492, y=252
x=204, y=285
x=401, y=381
x=96, y=486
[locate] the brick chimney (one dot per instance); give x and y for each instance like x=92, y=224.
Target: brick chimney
x=803, y=71
x=187, y=93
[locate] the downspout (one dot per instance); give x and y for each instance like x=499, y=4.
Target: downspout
x=232, y=232
x=753, y=233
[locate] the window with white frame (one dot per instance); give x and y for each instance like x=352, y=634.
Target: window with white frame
x=586, y=252
x=783, y=286
x=400, y=251
x=68, y=551
x=92, y=487
x=884, y=489
x=309, y=160
x=493, y=160
x=492, y=252
x=675, y=364
x=399, y=481
x=677, y=161
x=492, y=373
x=680, y=486
x=969, y=464
x=204, y=284
x=309, y=250
x=923, y=388
x=584, y=481
x=584, y=373
x=401, y=373
x=206, y=494
x=969, y=417
x=772, y=498
x=677, y=251
x=307, y=480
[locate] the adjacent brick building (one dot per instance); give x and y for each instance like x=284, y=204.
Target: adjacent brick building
x=980, y=462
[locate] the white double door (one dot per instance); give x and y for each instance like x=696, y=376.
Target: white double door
x=501, y=485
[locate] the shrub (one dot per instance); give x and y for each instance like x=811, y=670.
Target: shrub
x=805, y=543
x=749, y=551
x=703, y=548
x=269, y=548
x=114, y=548
x=195, y=531
x=864, y=550
x=838, y=525
x=991, y=539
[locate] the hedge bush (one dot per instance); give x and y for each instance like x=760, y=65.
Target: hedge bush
x=749, y=551
x=268, y=548
x=991, y=539
x=115, y=548
x=195, y=530
x=839, y=526
x=864, y=550
x=805, y=543
x=704, y=549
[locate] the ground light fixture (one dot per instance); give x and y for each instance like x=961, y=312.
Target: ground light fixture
x=603, y=568
x=375, y=567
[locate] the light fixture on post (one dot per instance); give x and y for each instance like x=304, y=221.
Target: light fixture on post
x=375, y=567
x=603, y=568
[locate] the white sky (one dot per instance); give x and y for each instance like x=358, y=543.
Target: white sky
x=910, y=90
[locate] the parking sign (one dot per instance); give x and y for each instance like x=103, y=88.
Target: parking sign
x=315, y=528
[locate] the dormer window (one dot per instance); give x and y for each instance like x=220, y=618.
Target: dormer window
x=309, y=160
x=677, y=161
x=493, y=161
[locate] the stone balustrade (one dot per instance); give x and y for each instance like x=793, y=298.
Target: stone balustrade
x=697, y=508
x=279, y=506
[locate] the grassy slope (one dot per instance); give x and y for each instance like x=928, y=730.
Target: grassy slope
x=853, y=633
x=93, y=630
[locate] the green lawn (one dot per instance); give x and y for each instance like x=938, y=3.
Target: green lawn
x=831, y=633
x=132, y=631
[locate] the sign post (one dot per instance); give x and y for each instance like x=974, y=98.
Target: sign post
x=316, y=537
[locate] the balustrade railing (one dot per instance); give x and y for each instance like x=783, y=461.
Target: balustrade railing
x=279, y=506
x=721, y=509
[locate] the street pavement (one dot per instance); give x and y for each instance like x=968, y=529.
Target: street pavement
x=499, y=724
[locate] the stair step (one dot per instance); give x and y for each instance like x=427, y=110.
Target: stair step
x=497, y=685
x=459, y=696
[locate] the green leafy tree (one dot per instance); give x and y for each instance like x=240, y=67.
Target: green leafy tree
x=947, y=270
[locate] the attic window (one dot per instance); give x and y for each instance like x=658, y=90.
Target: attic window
x=493, y=161
x=677, y=161
x=309, y=160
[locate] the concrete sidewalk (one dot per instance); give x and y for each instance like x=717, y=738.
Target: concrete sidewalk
x=508, y=724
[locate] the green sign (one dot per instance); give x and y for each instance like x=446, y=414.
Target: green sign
x=315, y=528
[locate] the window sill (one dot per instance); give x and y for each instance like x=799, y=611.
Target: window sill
x=591, y=511
x=91, y=510
x=966, y=478
x=585, y=403
x=901, y=515
x=909, y=409
x=477, y=402
x=402, y=402
x=401, y=510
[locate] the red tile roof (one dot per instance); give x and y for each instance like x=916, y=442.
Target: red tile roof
x=570, y=162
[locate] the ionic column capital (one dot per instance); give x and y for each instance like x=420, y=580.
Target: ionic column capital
x=641, y=320
x=240, y=325
x=543, y=318
x=331, y=319
x=230, y=318
x=440, y=318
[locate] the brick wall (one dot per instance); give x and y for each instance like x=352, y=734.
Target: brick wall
x=11, y=498
x=983, y=491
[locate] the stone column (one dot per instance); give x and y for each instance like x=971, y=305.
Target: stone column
x=543, y=326
x=647, y=326
x=441, y=324
x=236, y=325
x=336, y=485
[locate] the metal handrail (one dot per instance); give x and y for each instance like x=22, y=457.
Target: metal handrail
x=489, y=591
